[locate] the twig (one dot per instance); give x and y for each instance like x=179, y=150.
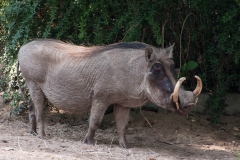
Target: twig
x=151, y=151
x=111, y=142
x=45, y=143
x=110, y=152
x=135, y=25
x=19, y=145
x=163, y=32
x=24, y=124
x=143, y=34
x=98, y=153
x=164, y=141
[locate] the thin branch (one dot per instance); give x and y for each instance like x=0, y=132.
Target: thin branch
x=135, y=25
x=163, y=32
x=164, y=140
x=143, y=34
x=181, y=36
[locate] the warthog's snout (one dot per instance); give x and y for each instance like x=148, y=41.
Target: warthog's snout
x=185, y=100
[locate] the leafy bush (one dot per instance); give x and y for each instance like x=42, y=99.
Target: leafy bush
x=205, y=33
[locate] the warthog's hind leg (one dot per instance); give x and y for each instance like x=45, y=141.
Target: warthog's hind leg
x=39, y=100
x=122, y=118
x=32, y=119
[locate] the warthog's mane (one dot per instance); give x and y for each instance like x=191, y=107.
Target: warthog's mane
x=83, y=51
x=126, y=45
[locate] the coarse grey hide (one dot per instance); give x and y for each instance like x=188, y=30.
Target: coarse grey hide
x=78, y=79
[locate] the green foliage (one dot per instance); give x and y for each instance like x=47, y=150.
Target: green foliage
x=216, y=103
x=190, y=65
x=220, y=40
x=17, y=19
x=205, y=33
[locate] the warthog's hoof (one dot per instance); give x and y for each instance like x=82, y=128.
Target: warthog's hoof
x=89, y=141
x=124, y=144
x=33, y=133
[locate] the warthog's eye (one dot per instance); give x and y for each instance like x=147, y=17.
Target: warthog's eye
x=157, y=65
x=157, y=69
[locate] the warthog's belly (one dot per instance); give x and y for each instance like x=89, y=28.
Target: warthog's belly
x=67, y=98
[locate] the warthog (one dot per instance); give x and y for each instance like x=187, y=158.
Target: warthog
x=79, y=79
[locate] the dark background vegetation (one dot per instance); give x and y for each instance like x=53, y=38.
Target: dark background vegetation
x=206, y=34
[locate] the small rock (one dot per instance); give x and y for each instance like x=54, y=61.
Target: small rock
x=8, y=149
x=111, y=122
x=4, y=141
x=193, y=120
x=235, y=129
x=130, y=129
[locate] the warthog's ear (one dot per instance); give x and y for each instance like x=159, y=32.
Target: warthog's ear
x=169, y=51
x=149, y=54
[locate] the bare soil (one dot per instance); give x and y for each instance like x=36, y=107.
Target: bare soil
x=178, y=137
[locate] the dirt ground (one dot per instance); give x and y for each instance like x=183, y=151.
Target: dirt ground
x=178, y=137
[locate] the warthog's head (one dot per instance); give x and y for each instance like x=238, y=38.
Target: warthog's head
x=162, y=86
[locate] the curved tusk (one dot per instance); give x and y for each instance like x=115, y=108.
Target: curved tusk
x=196, y=100
x=198, y=89
x=176, y=90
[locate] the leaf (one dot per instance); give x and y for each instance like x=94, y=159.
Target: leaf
x=190, y=65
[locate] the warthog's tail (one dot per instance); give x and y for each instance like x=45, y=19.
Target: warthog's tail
x=21, y=89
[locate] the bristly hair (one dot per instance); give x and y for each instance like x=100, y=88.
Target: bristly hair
x=121, y=45
x=129, y=45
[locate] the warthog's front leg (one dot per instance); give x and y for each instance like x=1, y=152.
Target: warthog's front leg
x=96, y=116
x=122, y=118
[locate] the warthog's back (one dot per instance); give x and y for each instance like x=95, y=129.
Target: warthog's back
x=71, y=75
